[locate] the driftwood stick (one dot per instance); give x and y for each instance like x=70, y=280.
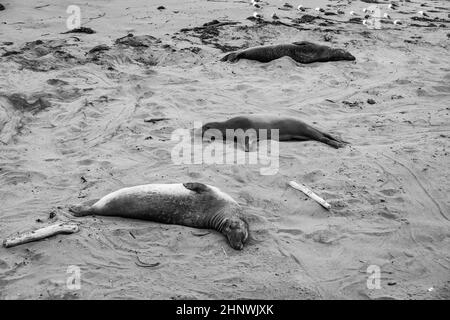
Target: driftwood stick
x=310, y=194
x=154, y=120
x=41, y=233
x=141, y=263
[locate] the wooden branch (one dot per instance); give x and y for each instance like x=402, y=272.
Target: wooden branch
x=40, y=234
x=140, y=263
x=310, y=194
x=154, y=120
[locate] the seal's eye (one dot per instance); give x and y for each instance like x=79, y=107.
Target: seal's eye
x=234, y=225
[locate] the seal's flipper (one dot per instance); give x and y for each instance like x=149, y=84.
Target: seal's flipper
x=250, y=145
x=84, y=209
x=317, y=135
x=332, y=143
x=328, y=139
x=81, y=210
x=196, y=186
x=231, y=57
x=334, y=138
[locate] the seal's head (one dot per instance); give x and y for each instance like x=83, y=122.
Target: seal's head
x=212, y=125
x=237, y=232
x=341, y=54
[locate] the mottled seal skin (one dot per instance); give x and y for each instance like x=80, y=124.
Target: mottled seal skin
x=303, y=52
x=189, y=204
x=289, y=129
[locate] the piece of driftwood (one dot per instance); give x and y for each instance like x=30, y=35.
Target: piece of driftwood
x=143, y=264
x=155, y=120
x=40, y=234
x=310, y=194
x=80, y=30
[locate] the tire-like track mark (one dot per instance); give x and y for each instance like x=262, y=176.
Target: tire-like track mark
x=438, y=206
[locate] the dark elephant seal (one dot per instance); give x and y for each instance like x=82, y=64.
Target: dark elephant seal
x=189, y=204
x=289, y=129
x=303, y=52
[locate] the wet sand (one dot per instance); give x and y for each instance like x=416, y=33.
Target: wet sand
x=72, y=129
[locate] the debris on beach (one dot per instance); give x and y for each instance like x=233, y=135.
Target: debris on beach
x=155, y=120
x=143, y=264
x=310, y=194
x=101, y=47
x=81, y=30
x=39, y=234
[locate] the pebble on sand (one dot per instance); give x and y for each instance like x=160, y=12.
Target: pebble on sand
x=392, y=6
x=257, y=15
x=86, y=30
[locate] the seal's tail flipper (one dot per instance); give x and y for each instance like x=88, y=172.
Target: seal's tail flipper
x=340, y=141
x=332, y=141
x=231, y=57
x=81, y=210
x=327, y=139
x=196, y=186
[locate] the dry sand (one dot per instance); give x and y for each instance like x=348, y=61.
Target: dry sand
x=83, y=135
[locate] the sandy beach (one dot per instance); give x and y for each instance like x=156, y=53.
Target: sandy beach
x=72, y=128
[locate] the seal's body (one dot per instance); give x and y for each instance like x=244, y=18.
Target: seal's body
x=302, y=52
x=190, y=204
x=289, y=129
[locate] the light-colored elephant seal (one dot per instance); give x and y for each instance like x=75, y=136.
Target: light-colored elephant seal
x=189, y=204
x=289, y=129
x=303, y=52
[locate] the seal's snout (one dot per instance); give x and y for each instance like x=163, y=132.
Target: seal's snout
x=206, y=127
x=348, y=56
x=213, y=128
x=237, y=233
x=341, y=54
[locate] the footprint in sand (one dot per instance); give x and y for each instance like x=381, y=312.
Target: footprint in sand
x=389, y=192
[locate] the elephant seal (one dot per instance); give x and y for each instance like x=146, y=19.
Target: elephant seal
x=189, y=204
x=289, y=129
x=303, y=52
